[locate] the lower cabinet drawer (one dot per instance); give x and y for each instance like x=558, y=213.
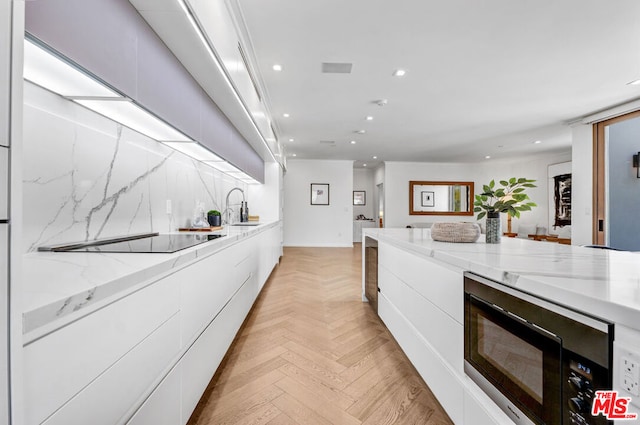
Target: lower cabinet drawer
x=203, y=358
x=113, y=397
x=479, y=409
x=59, y=366
x=438, y=328
x=163, y=406
x=439, y=376
x=205, y=288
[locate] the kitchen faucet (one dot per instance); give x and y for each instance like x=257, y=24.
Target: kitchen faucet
x=226, y=204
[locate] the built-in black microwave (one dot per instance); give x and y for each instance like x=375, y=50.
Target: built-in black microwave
x=540, y=362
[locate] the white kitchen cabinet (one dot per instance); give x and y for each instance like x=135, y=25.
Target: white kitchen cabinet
x=163, y=407
x=439, y=376
x=112, y=398
x=60, y=365
x=445, y=335
x=202, y=360
x=436, y=282
x=206, y=287
x=479, y=409
x=421, y=301
x=148, y=357
x=4, y=183
x=215, y=17
x=268, y=254
x=5, y=71
x=4, y=304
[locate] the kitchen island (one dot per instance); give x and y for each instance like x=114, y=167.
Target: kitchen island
x=136, y=337
x=421, y=301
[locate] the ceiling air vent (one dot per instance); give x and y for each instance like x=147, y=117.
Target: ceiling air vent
x=327, y=142
x=336, y=68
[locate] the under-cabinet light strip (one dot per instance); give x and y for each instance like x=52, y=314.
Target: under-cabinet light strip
x=207, y=45
x=55, y=73
x=46, y=68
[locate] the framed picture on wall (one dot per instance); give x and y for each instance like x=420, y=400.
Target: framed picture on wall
x=428, y=199
x=319, y=193
x=359, y=197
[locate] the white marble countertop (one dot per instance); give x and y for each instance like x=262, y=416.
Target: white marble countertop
x=603, y=283
x=60, y=287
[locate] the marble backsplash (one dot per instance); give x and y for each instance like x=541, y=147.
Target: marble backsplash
x=87, y=177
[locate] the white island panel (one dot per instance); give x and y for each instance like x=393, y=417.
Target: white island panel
x=421, y=302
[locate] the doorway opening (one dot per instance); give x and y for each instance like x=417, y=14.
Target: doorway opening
x=616, y=186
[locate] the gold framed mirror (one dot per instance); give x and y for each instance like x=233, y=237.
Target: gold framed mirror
x=440, y=198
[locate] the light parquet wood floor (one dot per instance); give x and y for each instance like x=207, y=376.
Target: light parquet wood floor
x=311, y=352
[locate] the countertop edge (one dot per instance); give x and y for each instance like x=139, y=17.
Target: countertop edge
x=537, y=285
x=43, y=319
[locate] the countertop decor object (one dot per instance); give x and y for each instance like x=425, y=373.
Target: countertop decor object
x=214, y=218
x=455, y=232
x=200, y=229
x=508, y=198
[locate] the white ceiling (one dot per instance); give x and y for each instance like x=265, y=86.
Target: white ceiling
x=484, y=77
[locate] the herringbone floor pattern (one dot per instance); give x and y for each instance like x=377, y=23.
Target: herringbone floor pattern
x=311, y=352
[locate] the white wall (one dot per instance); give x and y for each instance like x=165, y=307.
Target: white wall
x=264, y=200
x=582, y=185
x=318, y=225
x=363, y=179
x=398, y=175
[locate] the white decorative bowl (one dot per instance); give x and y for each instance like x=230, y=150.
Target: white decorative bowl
x=455, y=232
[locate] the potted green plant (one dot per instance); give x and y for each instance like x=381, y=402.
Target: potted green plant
x=508, y=198
x=213, y=217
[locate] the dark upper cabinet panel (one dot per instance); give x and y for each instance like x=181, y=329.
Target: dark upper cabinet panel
x=164, y=83
x=110, y=39
x=99, y=35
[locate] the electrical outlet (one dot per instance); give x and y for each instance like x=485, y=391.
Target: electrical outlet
x=169, y=206
x=630, y=367
x=630, y=385
x=630, y=373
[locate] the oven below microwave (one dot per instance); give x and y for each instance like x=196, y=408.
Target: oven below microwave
x=539, y=361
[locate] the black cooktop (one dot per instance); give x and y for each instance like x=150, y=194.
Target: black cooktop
x=147, y=244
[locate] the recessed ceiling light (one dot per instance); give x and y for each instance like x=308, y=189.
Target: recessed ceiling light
x=634, y=82
x=277, y=67
x=375, y=157
x=286, y=115
x=291, y=140
x=487, y=157
x=537, y=142
x=364, y=165
x=294, y=154
x=369, y=118
x=399, y=73
x=353, y=142
x=361, y=131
